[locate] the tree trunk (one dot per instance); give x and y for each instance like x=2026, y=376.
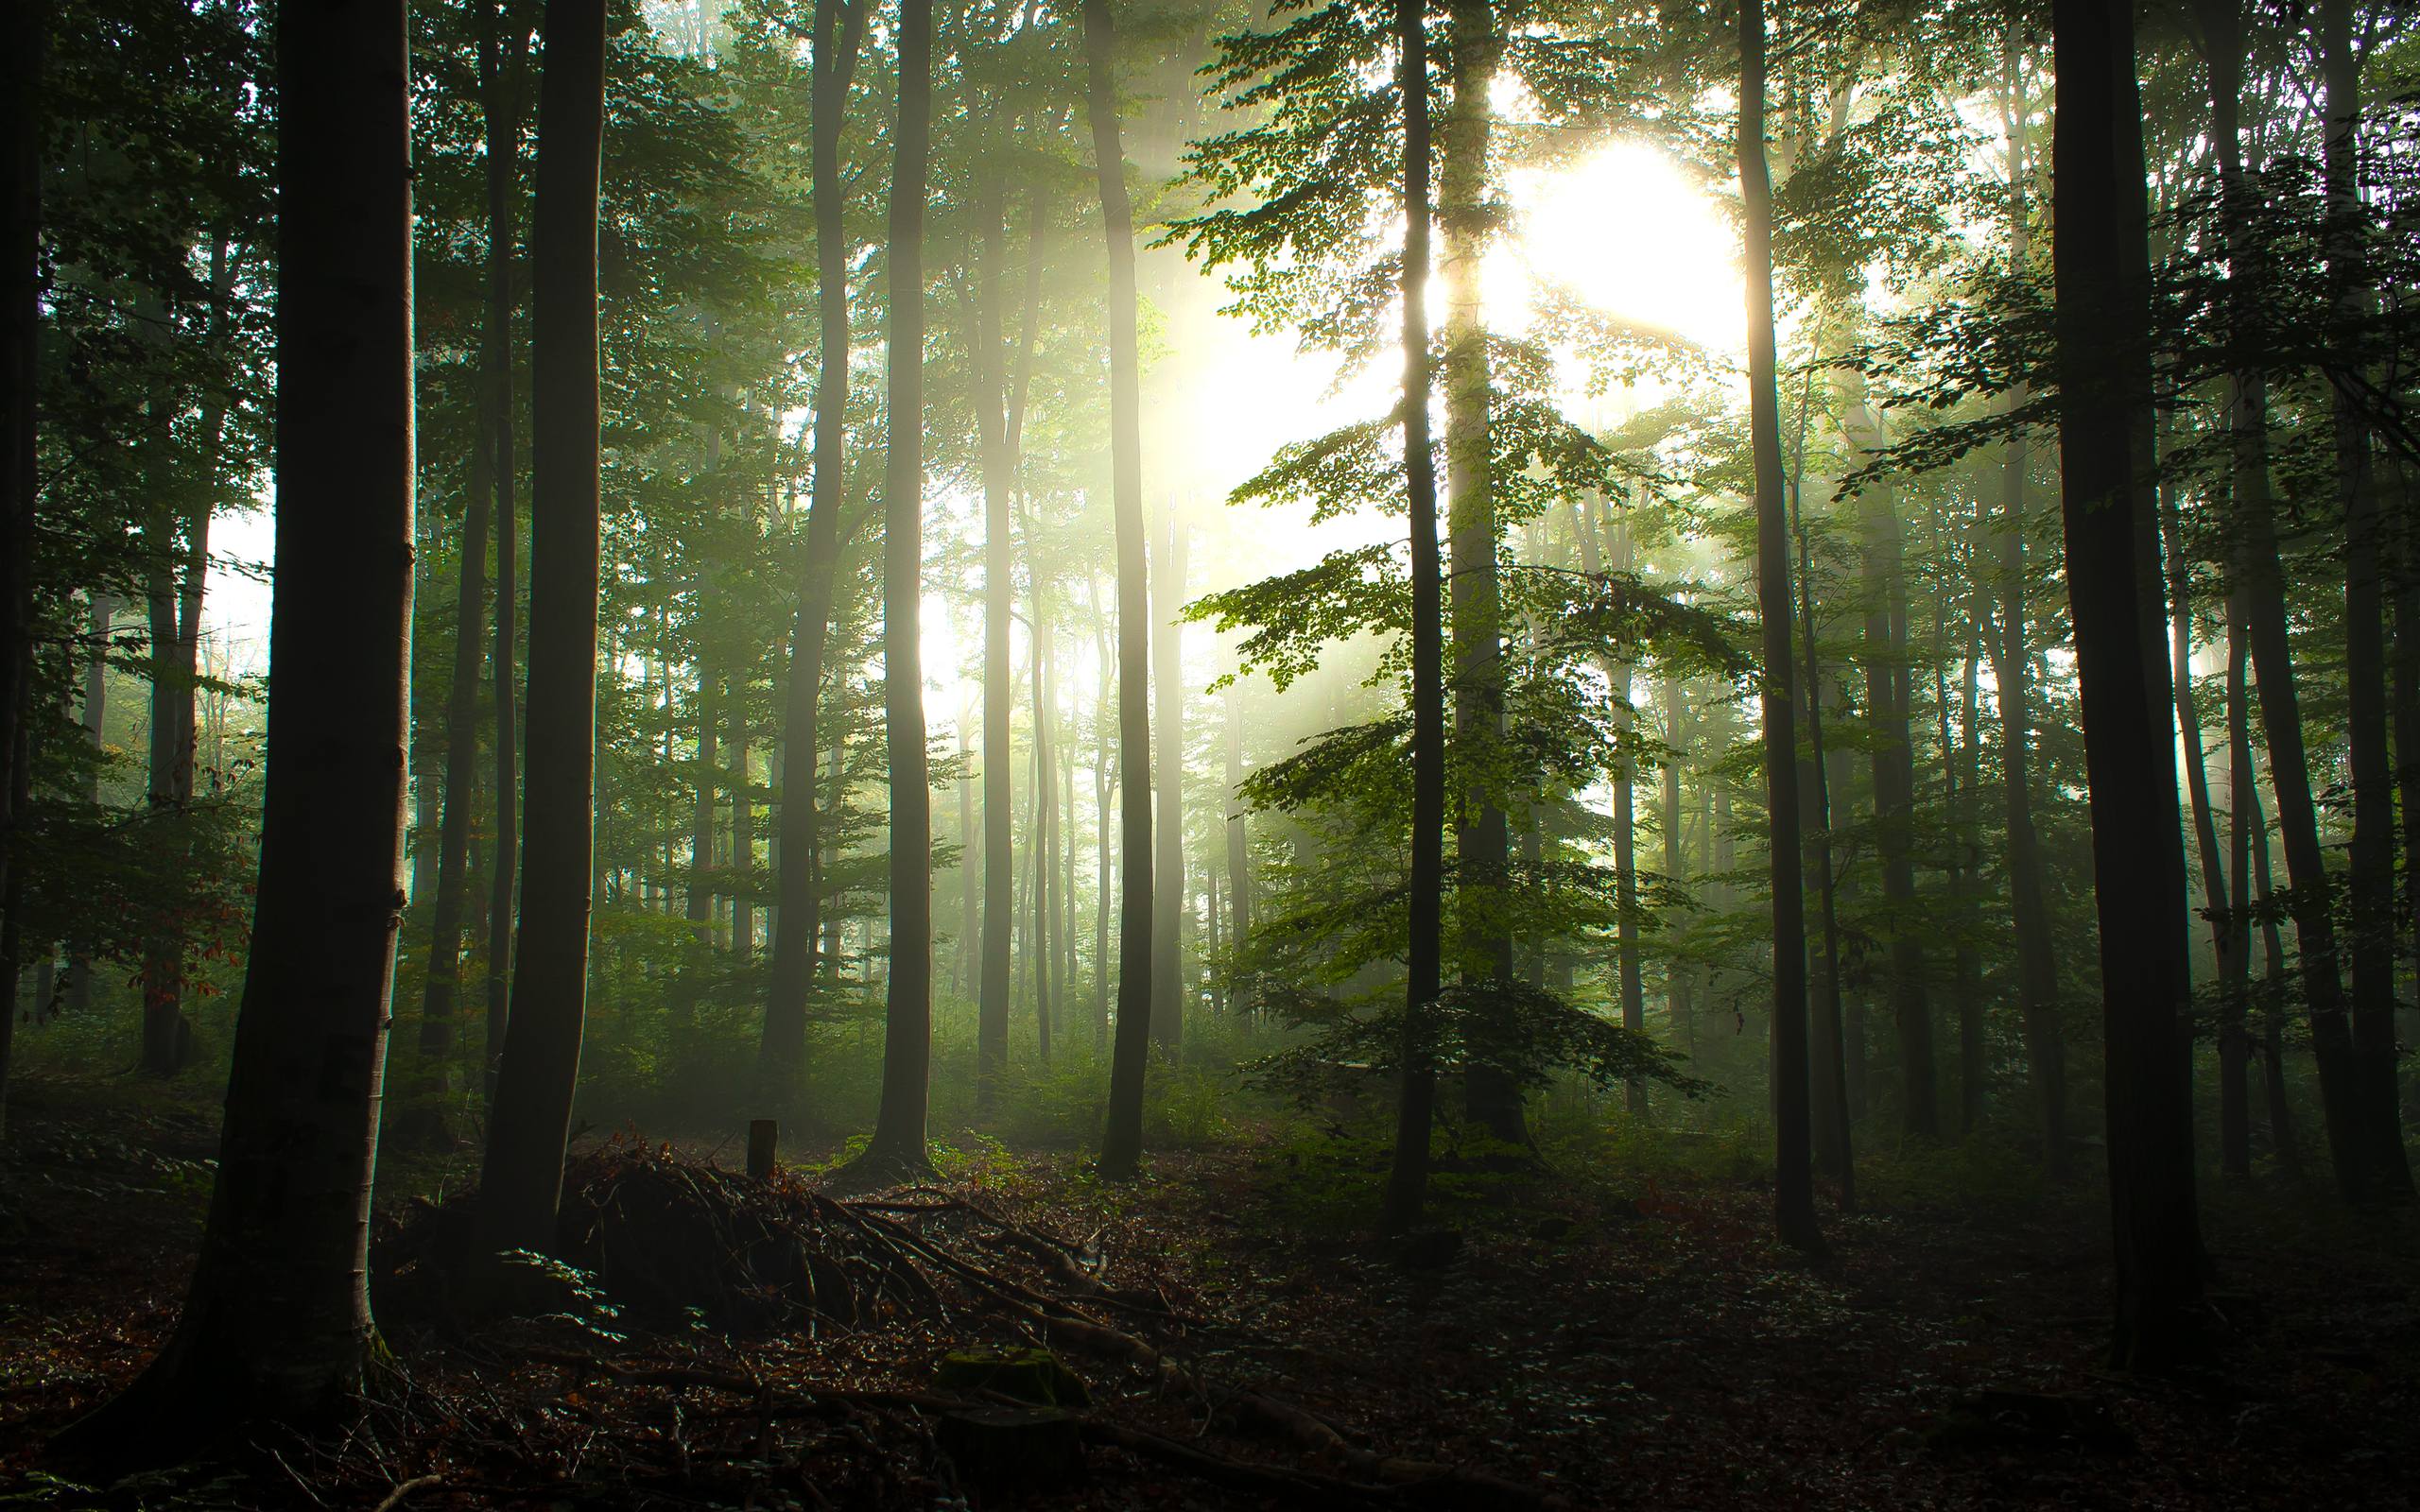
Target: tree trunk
x=1793, y=1168
x=1633, y=999
x=2235, y=1045
x=97, y=690
x=898, y=1143
x=2188, y=723
x=797, y=918
x=1122, y=1138
x=1676, y=730
x=522, y=1178
x=2311, y=893
x=1894, y=788
x=1415, y=1108
x=1482, y=834
x=999, y=588
x=21, y=129
x=1239, y=839
x=2037, y=970
x=2273, y=952
x=1168, y=687
x=2387, y=1168
x=1837, y=1081
x=276, y=1324
x=2104, y=281
x=698, y=895
x=743, y=824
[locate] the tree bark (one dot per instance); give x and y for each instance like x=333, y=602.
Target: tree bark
x=1482, y=834
x=1415, y=1106
x=2387, y=1175
x=2102, y=265
x=21, y=84
x=276, y=1323
x=1122, y=1138
x=1793, y=1166
x=2038, y=971
x=522, y=1178
x=898, y=1143
x=2259, y=572
x=798, y=916
x=1168, y=990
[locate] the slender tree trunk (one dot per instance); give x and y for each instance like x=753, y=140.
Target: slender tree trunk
x=697, y=894
x=1122, y=1140
x=1894, y=786
x=1676, y=735
x=1793, y=1169
x=21, y=128
x=276, y=1323
x=1415, y=1108
x=2258, y=570
x=1168, y=989
x=999, y=587
x=442, y=983
x=2104, y=281
x=2387, y=1175
x=1832, y=1103
x=1238, y=840
x=2273, y=952
x=898, y=1143
x=2038, y=971
x=2188, y=722
x=2235, y=1044
x=1483, y=836
x=96, y=690
x=1633, y=999
x=797, y=920
x=743, y=823
x=522, y=1179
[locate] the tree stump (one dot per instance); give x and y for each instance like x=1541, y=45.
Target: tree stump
x=762, y=1135
x=1012, y=1449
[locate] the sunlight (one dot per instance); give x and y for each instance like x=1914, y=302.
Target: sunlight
x=1630, y=232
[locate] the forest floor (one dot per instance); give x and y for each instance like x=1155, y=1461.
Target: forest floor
x=1597, y=1339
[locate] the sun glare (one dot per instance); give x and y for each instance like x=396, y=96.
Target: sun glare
x=1630, y=232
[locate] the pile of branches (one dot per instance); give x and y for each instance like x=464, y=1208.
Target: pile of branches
x=848, y=1303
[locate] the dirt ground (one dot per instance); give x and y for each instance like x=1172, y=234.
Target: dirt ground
x=1596, y=1342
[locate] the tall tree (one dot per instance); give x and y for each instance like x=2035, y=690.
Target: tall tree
x=2038, y=971
x=999, y=588
x=1121, y=1149
x=276, y=1321
x=1168, y=681
x=1408, y=1176
x=840, y=25
x=1482, y=842
x=522, y=1178
x=2261, y=575
x=1793, y=1181
x=2101, y=264
x=20, y=213
x=2387, y=1169
x=503, y=87
x=898, y=1143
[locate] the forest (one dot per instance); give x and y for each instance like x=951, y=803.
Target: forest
x=1209, y=753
